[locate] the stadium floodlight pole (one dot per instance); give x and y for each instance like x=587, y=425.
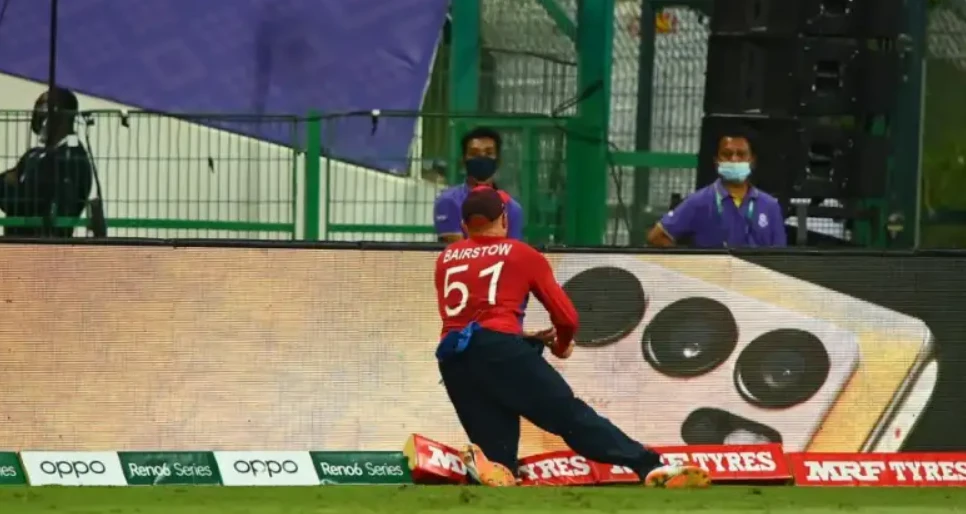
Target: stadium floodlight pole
x=52, y=103
x=51, y=73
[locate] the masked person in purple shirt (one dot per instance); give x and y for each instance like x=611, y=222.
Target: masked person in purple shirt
x=731, y=213
x=481, y=158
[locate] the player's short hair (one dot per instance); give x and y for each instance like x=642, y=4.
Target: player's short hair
x=483, y=205
x=482, y=133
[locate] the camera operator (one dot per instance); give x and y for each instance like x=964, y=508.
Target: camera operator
x=52, y=180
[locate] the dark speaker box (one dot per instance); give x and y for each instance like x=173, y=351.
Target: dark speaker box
x=800, y=158
x=785, y=18
x=798, y=76
x=841, y=162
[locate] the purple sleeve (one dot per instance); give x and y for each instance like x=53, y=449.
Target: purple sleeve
x=679, y=222
x=514, y=216
x=446, y=216
x=778, y=238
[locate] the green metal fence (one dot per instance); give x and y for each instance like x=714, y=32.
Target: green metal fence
x=528, y=61
x=197, y=177
x=531, y=62
x=364, y=204
x=599, y=103
x=944, y=128
x=167, y=176
x=521, y=57
x=660, y=49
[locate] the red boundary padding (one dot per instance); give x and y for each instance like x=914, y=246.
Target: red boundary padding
x=436, y=463
x=934, y=469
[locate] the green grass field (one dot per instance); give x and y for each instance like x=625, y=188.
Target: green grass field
x=400, y=500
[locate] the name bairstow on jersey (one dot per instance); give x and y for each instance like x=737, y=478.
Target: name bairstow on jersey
x=461, y=254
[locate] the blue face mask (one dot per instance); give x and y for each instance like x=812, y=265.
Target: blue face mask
x=481, y=168
x=734, y=171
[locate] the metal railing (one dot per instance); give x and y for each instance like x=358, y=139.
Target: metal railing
x=273, y=177
x=276, y=177
x=179, y=176
x=397, y=204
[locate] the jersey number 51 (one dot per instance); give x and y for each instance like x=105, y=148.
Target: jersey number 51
x=451, y=284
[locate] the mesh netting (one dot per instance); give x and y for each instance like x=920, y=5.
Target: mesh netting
x=678, y=89
x=947, y=34
x=530, y=66
x=677, y=96
x=944, y=124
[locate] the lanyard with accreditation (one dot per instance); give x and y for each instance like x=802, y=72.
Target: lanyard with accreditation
x=749, y=215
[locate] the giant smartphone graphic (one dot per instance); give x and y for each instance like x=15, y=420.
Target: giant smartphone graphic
x=716, y=350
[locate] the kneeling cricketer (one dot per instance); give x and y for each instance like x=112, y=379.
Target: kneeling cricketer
x=495, y=373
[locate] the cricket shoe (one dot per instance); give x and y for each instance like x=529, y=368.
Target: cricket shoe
x=680, y=476
x=485, y=471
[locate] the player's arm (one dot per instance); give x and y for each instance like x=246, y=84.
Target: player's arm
x=446, y=219
x=563, y=315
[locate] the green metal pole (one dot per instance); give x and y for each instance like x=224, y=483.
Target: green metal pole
x=903, y=197
x=586, y=198
x=645, y=99
x=464, y=68
x=464, y=56
x=560, y=18
x=528, y=185
x=313, y=178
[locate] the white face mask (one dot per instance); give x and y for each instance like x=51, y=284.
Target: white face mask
x=734, y=171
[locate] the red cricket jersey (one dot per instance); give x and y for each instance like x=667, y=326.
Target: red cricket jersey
x=487, y=279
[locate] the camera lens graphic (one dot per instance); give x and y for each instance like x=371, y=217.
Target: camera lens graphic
x=690, y=337
x=715, y=426
x=782, y=368
x=610, y=302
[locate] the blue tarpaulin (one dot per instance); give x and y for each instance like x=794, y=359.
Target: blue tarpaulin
x=243, y=57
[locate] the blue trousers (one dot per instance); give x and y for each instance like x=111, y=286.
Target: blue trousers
x=500, y=378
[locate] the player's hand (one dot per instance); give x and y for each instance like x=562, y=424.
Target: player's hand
x=545, y=336
x=562, y=351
